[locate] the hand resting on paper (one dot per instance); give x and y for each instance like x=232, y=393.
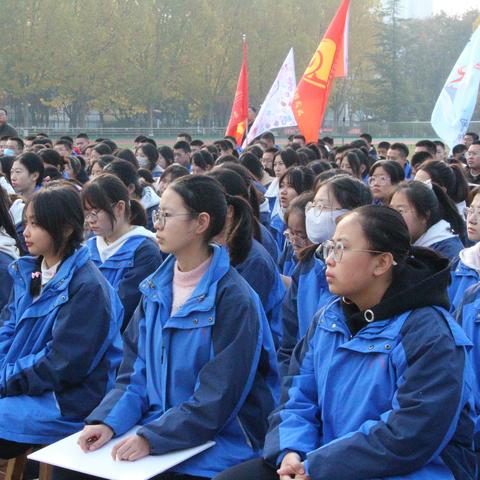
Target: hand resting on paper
x=94, y=436
x=131, y=448
x=292, y=467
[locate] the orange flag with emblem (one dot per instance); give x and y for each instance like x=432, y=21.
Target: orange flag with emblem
x=237, y=125
x=329, y=61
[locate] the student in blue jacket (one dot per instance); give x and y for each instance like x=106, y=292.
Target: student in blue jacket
x=293, y=183
x=199, y=362
x=380, y=387
x=60, y=340
x=124, y=251
x=9, y=248
x=247, y=254
x=309, y=291
x=431, y=216
x=467, y=271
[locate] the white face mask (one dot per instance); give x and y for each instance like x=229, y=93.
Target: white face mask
x=321, y=227
x=143, y=162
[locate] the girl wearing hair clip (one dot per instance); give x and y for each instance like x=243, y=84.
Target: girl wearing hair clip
x=60, y=342
x=123, y=249
x=379, y=387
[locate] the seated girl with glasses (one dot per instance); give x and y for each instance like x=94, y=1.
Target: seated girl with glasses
x=60, y=343
x=467, y=271
x=308, y=291
x=199, y=361
x=380, y=386
x=123, y=249
x=431, y=216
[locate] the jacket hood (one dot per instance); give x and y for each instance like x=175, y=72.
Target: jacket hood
x=421, y=282
x=106, y=250
x=8, y=245
x=470, y=257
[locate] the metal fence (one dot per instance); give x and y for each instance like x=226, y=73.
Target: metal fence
x=411, y=131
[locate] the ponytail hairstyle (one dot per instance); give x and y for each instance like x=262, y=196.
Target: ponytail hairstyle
x=255, y=197
x=202, y=193
x=433, y=204
x=6, y=222
x=57, y=209
x=234, y=184
x=450, y=177
x=252, y=163
x=127, y=173
x=104, y=191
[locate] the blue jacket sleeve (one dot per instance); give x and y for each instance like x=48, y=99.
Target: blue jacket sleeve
x=425, y=410
x=6, y=284
x=147, y=259
x=289, y=325
x=125, y=404
x=86, y=317
x=219, y=395
x=296, y=424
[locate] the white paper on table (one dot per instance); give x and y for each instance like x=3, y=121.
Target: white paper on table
x=67, y=454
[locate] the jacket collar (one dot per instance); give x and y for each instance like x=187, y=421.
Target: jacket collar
x=158, y=286
x=24, y=266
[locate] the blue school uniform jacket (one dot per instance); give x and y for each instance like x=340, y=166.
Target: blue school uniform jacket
x=136, y=259
x=277, y=229
x=6, y=281
x=208, y=372
x=261, y=273
x=269, y=243
x=58, y=353
x=468, y=316
x=288, y=261
x=463, y=277
x=388, y=399
x=449, y=248
x=308, y=292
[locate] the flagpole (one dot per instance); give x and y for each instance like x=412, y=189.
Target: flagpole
x=244, y=44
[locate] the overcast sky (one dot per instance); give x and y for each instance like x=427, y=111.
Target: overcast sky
x=454, y=7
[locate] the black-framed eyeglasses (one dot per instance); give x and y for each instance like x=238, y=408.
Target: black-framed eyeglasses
x=336, y=249
x=160, y=217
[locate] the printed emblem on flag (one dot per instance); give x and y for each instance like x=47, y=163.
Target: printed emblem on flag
x=319, y=69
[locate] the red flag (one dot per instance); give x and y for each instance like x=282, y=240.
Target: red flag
x=311, y=97
x=237, y=125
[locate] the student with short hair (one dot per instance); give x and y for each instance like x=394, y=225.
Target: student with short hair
x=385, y=175
x=123, y=249
x=195, y=303
x=60, y=340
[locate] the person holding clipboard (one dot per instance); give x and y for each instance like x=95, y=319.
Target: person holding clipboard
x=199, y=360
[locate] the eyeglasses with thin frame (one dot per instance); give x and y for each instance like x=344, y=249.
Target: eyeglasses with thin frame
x=299, y=239
x=470, y=211
x=92, y=215
x=336, y=249
x=159, y=217
x=319, y=207
x=379, y=180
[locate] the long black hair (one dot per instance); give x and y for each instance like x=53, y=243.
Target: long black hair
x=6, y=221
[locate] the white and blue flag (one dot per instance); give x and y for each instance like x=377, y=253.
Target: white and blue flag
x=456, y=103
